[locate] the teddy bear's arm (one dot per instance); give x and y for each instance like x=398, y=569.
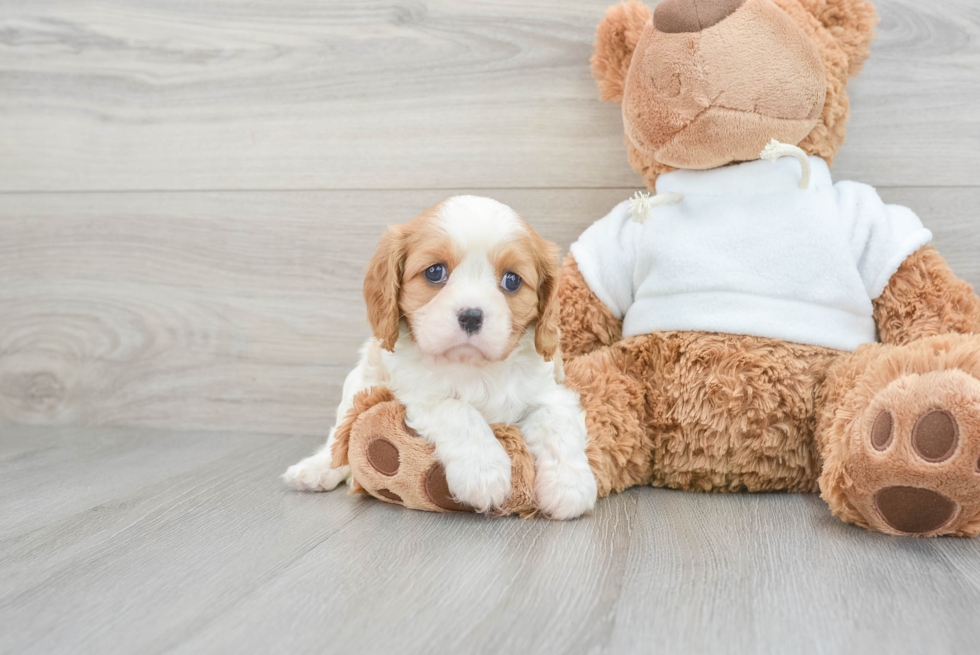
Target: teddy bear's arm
x=925, y=298
x=586, y=323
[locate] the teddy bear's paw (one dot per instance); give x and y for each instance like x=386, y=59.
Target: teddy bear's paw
x=565, y=490
x=913, y=463
x=391, y=462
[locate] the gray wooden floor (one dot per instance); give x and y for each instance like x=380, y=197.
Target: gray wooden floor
x=148, y=541
x=188, y=193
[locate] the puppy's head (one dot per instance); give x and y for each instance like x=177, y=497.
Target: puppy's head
x=469, y=277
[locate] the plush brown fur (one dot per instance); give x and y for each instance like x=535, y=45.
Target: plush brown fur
x=925, y=298
x=616, y=38
x=362, y=402
x=586, y=324
x=722, y=412
x=851, y=23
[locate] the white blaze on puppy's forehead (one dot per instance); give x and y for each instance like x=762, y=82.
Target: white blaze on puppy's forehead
x=479, y=224
x=474, y=267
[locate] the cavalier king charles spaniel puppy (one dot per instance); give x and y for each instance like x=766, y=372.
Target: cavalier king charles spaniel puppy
x=463, y=304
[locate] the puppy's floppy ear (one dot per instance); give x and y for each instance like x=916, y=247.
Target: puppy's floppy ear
x=615, y=41
x=382, y=285
x=546, y=335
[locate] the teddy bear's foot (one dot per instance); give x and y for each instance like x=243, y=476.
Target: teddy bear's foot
x=912, y=459
x=391, y=462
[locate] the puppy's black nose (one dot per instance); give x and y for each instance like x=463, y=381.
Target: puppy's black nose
x=471, y=320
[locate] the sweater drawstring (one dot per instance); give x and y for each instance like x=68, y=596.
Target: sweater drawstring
x=775, y=150
x=641, y=203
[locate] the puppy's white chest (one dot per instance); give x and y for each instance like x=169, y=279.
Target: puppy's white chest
x=502, y=392
x=499, y=401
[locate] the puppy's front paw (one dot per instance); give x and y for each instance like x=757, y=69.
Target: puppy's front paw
x=314, y=474
x=565, y=490
x=481, y=479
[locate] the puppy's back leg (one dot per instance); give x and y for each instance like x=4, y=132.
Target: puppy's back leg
x=314, y=473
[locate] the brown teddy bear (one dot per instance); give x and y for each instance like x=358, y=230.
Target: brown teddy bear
x=753, y=326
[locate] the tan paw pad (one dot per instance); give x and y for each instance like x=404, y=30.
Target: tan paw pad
x=382, y=455
x=935, y=435
x=882, y=432
x=912, y=510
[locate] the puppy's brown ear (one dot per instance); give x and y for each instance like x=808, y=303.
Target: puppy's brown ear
x=615, y=41
x=546, y=335
x=382, y=285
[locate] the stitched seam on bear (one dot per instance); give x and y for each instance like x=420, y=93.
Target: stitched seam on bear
x=670, y=141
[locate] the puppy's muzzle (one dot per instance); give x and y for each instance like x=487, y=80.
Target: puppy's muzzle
x=471, y=320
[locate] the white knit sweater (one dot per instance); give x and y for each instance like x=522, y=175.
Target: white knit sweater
x=748, y=252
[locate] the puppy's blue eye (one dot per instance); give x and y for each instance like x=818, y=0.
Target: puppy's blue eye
x=511, y=282
x=436, y=274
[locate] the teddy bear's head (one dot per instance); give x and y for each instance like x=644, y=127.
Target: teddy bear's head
x=705, y=83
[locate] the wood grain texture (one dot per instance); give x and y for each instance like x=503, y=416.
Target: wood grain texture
x=314, y=94
x=239, y=311
x=210, y=554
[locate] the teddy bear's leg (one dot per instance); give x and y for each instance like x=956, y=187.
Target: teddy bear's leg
x=391, y=462
x=701, y=412
x=615, y=404
x=899, y=432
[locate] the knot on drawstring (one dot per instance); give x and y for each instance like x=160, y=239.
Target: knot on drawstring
x=775, y=150
x=641, y=203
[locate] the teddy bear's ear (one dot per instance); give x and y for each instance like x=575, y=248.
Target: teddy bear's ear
x=615, y=40
x=850, y=22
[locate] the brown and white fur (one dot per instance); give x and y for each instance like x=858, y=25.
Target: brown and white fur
x=456, y=377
